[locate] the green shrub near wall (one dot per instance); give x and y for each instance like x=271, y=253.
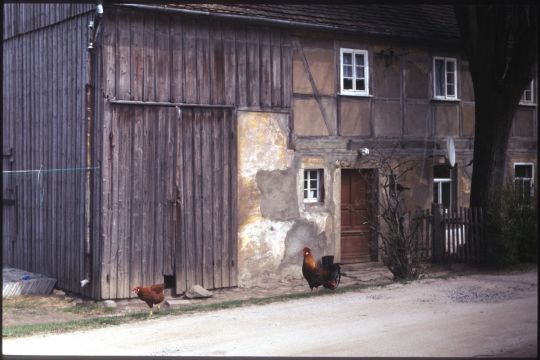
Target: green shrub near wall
x=511, y=229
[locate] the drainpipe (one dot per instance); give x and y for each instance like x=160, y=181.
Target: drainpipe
x=89, y=142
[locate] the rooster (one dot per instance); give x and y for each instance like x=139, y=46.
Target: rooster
x=152, y=295
x=324, y=273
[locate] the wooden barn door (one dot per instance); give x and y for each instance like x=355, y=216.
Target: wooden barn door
x=206, y=173
x=172, y=199
x=355, y=211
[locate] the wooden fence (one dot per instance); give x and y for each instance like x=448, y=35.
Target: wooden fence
x=455, y=235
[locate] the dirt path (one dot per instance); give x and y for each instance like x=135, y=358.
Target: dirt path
x=475, y=315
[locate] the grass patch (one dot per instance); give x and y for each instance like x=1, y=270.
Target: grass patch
x=101, y=321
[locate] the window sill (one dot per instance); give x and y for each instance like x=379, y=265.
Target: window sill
x=445, y=100
x=355, y=95
x=527, y=104
x=314, y=206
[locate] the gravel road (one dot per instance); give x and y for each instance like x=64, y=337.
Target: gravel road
x=474, y=315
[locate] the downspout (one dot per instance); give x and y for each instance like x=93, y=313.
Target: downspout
x=89, y=142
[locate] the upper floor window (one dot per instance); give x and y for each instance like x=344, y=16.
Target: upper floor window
x=445, y=78
x=527, y=98
x=313, y=185
x=354, y=72
x=523, y=180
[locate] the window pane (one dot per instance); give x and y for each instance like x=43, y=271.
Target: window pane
x=360, y=72
x=347, y=58
x=359, y=59
x=523, y=171
x=305, y=194
x=441, y=172
x=450, y=66
x=439, y=77
x=347, y=84
x=360, y=84
x=347, y=71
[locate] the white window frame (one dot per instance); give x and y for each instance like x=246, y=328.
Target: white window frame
x=530, y=89
x=439, y=182
x=311, y=196
x=354, y=52
x=445, y=96
x=525, y=178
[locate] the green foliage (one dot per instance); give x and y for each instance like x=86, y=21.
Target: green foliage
x=511, y=225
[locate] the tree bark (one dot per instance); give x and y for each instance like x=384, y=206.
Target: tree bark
x=500, y=44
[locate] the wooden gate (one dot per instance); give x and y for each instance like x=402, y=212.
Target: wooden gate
x=356, y=211
x=173, y=190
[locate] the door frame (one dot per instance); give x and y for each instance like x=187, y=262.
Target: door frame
x=374, y=241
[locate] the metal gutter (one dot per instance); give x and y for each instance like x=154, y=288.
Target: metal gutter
x=89, y=146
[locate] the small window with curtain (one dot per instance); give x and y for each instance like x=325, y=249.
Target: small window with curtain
x=523, y=181
x=445, y=78
x=313, y=189
x=354, y=72
x=443, y=186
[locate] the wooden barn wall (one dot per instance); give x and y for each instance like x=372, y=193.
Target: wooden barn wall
x=161, y=57
x=44, y=76
x=21, y=18
x=148, y=56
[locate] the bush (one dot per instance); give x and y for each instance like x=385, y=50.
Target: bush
x=511, y=225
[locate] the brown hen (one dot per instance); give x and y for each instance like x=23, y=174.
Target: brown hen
x=152, y=295
x=325, y=273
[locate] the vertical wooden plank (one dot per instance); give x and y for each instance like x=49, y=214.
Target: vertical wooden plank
x=177, y=61
x=170, y=195
x=149, y=213
x=286, y=58
x=229, y=64
x=226, y=198
x=139, y=197
x=180, y=258
x=149, y=65
x=198, y=209
x=217, y=120
x=242, y=68
x=203, y=63
x=160, y=126
x=266, y=69
x=233, y=189
x=277, y=91
x=137, y=56
x=207, y=182
x=254, y=86
x=217, y=65
x=188, y=211
x=71, y=120
x=123, y=71
x=124, y=191
x=190, y=60
x=163, y=76
x=109, y=89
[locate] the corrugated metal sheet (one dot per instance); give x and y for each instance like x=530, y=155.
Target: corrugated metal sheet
x=17, y=282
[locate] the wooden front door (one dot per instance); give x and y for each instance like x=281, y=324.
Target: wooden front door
x=356, y=205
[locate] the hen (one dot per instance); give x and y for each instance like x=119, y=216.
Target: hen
x=325, y=273
x=152, y=295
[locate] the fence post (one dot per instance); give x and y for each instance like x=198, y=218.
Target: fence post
x=437, y=247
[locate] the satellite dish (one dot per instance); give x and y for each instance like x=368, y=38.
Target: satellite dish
x=450, y=151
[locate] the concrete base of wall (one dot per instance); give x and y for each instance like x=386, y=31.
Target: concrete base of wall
x=18, y=282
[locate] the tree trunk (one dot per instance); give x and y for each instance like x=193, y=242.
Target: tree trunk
x=500, y=44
